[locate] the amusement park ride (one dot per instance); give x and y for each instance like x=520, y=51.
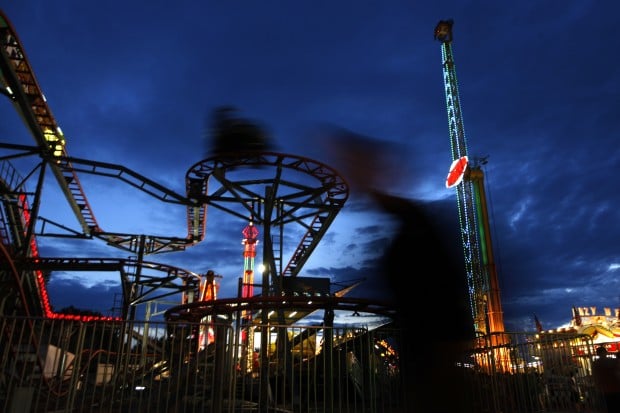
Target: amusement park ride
x=281, y=193
x=278, y=197
x=468, y=180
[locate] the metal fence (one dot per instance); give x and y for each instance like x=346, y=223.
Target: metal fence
x=535, y=373
x=69, y=366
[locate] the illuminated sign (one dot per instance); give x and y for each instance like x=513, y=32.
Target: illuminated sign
x=457, y=171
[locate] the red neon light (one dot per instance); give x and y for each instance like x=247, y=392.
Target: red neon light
x=250, y=239
x=457, y=171
x=45, y=301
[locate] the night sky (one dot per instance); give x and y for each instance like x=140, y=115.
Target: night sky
x=132, y=83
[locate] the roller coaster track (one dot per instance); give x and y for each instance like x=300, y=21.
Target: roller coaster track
x=194, y=312
x=166, y=278
x=282, y=189
x=21, y=86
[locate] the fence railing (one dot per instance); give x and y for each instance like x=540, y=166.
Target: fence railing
x=69, y=366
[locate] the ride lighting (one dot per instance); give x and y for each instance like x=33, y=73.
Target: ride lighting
x=45, y=299
x=55, y=141
x=457, y=172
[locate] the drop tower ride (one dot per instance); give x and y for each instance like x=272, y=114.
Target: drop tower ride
x=468, y=180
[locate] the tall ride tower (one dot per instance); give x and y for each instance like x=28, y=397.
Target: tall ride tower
x=249, y=241
x=468, y=180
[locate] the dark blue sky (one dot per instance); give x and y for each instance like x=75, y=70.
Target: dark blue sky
x=131, y=83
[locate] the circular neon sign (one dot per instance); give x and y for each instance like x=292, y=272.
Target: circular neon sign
x=457, y=171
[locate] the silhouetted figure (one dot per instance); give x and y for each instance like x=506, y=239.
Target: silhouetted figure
x=427, y=279
x=428, y=283
x=231, y=135
x=606, y=374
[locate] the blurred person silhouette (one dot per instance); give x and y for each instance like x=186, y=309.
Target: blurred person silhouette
x=606, y=374
x=230, y=135
x=425, y=275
